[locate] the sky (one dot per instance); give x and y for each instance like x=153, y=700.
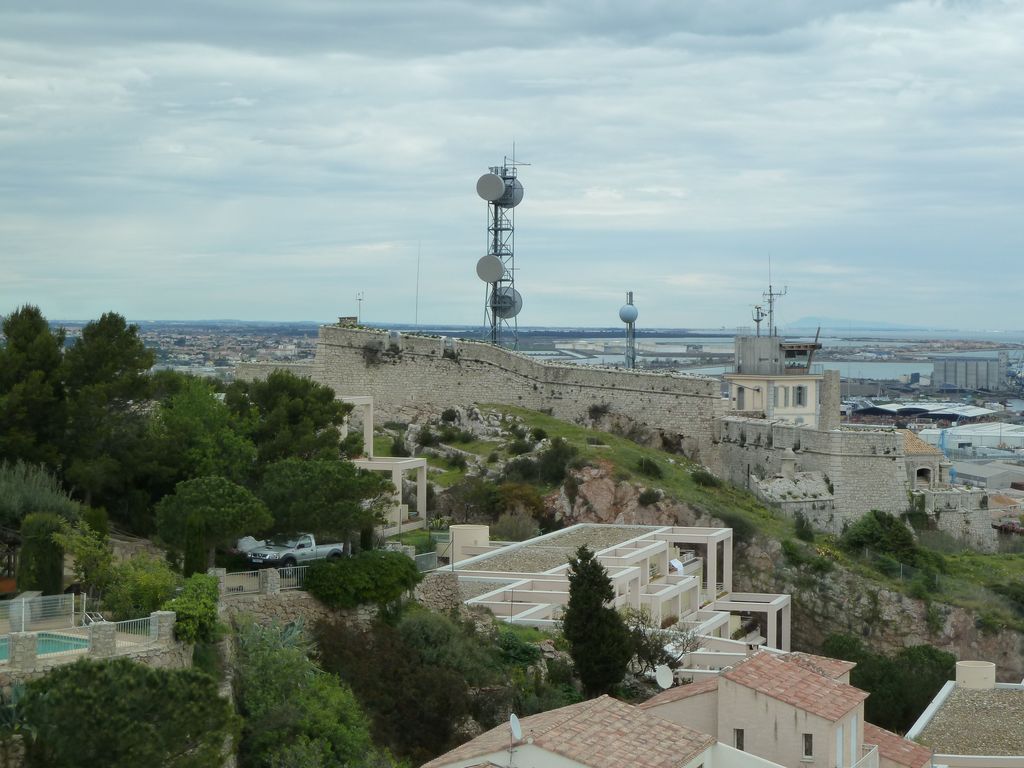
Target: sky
x=268, y=160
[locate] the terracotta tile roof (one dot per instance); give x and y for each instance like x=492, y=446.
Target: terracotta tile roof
x=795, y=685
x=915, y=446
x=823, y=665
x=680, y=692
x=896, y=748
x=600, y=733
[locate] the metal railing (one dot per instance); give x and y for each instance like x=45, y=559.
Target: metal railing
x=869, y=757
x=133, y=632
x=294, y=577
x=426, y=561
x=28, y=614
x=242, y=582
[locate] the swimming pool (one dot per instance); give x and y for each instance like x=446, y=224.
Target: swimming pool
x=46, y=643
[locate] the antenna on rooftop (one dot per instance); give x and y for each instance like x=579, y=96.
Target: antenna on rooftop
x=501, y=189
x=360, y=295
x=628, y=314
x=663, y=676
x=770, y=296
x=759, y=316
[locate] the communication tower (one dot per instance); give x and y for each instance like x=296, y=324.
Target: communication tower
x=501, y=189
x=628, y=314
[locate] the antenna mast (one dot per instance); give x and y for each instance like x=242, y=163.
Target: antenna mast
x=502, y=302
x=628, y=314
x=759, y=315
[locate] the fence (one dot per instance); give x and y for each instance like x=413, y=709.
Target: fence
x=30, y=614
x=242, y=582
x=293, y=578
x=426, y=561
x=134, y=633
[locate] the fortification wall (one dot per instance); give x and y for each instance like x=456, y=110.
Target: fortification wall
x=865, y=469
x=418, y=373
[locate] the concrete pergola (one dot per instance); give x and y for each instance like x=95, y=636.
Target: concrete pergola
x=773, y=607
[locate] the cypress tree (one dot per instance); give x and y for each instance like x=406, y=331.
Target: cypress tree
x=195, y=545
x=599, y=641
x=40, y=559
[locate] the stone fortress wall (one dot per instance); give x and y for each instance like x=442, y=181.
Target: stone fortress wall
x=407, y=375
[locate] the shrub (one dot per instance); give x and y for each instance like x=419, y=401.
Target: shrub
x=398, y=447
x=448, y=434
x=595, y=441
x=26, y=488
x=648, y=497
x=449, y=415
x=538, y=434
x=457, y=461
x=520, y=446
x=41, y=559
x=553, y=460
x=464, y=436
x=196, y=609
x=96, y=518
x=492, y=457
x=597, y=410
x=883, y=534
x=517, y=525
x=371, y=577
x=704, y=478
x=140, y=586
x=426, y=438
x=518, y=431
x=522, y=470
x=648, y=467
x=804, y=531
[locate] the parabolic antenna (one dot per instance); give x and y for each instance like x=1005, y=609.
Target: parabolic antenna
x=664, y=676
x=491, y=187
x=507, y=303
x=513, y=195
x=515, y=727
x=628, y=313
x=490, y=269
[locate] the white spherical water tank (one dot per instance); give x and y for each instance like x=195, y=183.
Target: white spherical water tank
x=628, y=313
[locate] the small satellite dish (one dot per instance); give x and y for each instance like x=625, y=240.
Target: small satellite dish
x=491, y=187
x=515, y=727
x=664, y=676
x=507, y=303
x=628, y=313
x=490, y=269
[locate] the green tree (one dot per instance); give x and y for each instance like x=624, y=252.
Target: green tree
x=120, y=714
x=289, y=416
x=372, y=577
x=220, y=509
x=139, y=586
x=883, y=533
x=90, y=550
x=105, y=375
x=32, y=399
x=41, y=559
x=198, y=435
x=329, y=498
x=599, y=641
x=295, y=714
x=26, y=488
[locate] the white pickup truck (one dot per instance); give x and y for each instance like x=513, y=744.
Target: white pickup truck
x=292, y=550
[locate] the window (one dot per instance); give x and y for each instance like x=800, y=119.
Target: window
x=785, y=397
x=799, y=395
x=775, y=396
x=737, y=736
x=808, y=745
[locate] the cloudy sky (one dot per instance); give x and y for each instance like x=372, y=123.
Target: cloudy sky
x=264, y=159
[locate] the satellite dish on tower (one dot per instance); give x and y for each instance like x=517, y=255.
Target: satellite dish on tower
x=506, y=303
x=490, y=187
x=490, y=268
x=663, y=675
x=515, y=727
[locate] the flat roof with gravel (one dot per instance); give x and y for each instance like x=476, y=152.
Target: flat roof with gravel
x=978, y=722
x=552, y=551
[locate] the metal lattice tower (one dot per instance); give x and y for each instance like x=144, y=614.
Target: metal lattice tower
x=628, y=314
x=502, y=302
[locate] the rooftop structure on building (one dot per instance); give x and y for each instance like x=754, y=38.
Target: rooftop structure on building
x=974, y=721
x=933, y=410
x=991, y=434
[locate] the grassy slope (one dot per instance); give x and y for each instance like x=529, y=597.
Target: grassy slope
x=965, y=583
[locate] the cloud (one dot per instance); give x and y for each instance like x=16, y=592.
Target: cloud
x=258, y=159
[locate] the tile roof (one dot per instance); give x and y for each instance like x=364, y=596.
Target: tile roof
x=795, y=685
x=915, y=446
x=896, y=748
x=600, y=733
x=823, y=665
x=680, y=692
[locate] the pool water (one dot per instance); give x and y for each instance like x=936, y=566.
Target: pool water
x=48, y=642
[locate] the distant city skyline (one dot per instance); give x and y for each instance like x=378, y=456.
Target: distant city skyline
x=261, y=160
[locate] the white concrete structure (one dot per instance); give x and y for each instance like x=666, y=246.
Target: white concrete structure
x=680, y=575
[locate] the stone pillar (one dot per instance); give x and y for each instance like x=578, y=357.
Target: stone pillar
x=396, y=510
x=788, y=463
x=161, y=627
x=270, y=581
x=368, y=430
x=772, y=622
x=787, y=618
x=828, y=406
x=221, y=575
x=102, y=639
x=712, y=569
x=22, y=650
x=421, y=491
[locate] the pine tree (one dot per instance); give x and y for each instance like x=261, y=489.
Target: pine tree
x=599, y=641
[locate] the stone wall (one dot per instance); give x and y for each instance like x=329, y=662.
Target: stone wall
x=422, y=373
x=963, y=514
